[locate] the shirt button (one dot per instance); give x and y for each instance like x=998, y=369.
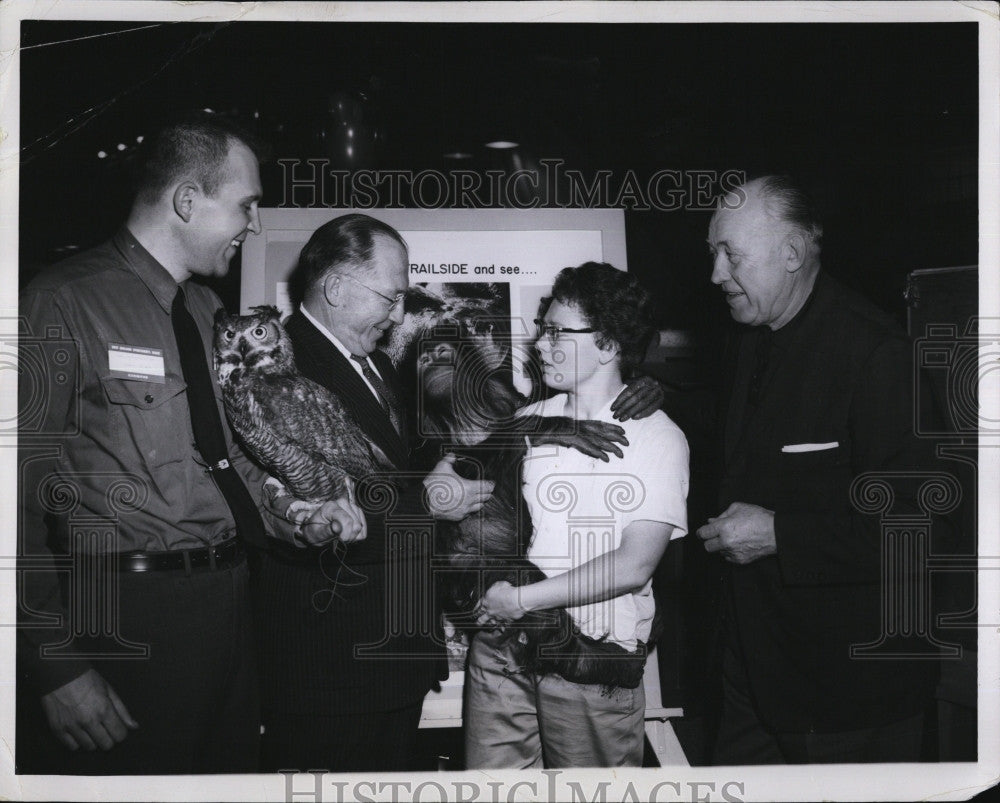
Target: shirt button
x=149, y=399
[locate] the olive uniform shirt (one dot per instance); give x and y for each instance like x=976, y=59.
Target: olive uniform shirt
x=105, y=432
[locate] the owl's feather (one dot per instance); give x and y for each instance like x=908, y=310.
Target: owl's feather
x=296, y=429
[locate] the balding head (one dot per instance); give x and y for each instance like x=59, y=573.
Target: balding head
x=765, y=240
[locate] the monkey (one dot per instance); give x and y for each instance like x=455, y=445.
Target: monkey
x=469, y=400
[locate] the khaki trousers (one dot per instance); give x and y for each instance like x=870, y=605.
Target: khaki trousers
x=514, y=720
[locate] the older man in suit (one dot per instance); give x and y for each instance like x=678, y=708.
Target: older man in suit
x=820, y=394
x=347, y=625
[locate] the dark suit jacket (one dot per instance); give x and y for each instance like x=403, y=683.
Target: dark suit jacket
x=839, y=373
x=351, y=633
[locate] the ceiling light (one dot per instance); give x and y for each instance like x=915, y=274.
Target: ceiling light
x=501, y=145
x=458, y=155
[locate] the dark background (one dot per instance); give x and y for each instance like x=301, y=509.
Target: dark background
x=879, y=120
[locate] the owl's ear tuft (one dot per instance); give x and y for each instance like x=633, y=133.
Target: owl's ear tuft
x=220, y=315
x=270, y=311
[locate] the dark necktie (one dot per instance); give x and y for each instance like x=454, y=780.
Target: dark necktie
x=388, y=400
x=209, y=437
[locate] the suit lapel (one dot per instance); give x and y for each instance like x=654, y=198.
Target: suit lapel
x=318, y=359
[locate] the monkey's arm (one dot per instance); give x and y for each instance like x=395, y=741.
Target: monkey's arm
x=593, y=438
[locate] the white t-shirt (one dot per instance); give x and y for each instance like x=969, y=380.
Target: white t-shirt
x=580, y=506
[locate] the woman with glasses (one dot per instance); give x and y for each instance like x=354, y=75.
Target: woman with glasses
x=599, y=530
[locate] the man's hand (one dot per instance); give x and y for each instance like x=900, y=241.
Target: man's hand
x=449, y=496
x=337, y=518
x=315, y=523
x=499, y=605
x=641, y=398
x=87, y=713
x=742, y=533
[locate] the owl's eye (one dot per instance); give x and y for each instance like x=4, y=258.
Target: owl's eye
x=229, y=334
x=259, y=332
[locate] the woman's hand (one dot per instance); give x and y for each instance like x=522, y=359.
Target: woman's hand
x=500, y=604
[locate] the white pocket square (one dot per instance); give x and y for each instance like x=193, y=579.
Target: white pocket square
x=810, y=447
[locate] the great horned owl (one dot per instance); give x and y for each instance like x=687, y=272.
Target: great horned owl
x=296, y=429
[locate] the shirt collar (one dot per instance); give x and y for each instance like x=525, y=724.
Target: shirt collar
x=325, y=332
x=151, y=273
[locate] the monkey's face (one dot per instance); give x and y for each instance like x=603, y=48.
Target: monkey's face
x=436, y=367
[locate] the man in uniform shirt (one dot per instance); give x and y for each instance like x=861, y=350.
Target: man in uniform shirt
x=141, y=660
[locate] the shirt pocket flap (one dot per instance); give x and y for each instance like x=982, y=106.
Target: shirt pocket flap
x=144, y=395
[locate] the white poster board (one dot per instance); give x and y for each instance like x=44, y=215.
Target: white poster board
x=538, y=242
x=522, y=250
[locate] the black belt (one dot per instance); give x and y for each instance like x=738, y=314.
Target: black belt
x=220, y=556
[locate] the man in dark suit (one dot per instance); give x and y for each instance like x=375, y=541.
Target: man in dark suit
x=820, y=393
x=347, y=647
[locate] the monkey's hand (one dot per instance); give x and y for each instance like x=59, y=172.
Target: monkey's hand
x=642, y=397
x=593, y=438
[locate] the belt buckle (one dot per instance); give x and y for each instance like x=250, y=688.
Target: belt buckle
x=139, y=562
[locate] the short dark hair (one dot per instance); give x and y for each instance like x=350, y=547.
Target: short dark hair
x=194, y=146
x=345, y=240
x=788, y=199
x=613, y=302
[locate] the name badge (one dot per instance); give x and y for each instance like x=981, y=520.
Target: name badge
x=136, y=362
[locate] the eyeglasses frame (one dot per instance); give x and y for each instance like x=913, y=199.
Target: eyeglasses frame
x=393, y=302
x=552, y=331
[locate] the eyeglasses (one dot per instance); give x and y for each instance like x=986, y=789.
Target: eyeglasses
x=393, y=302
x=552, y=332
